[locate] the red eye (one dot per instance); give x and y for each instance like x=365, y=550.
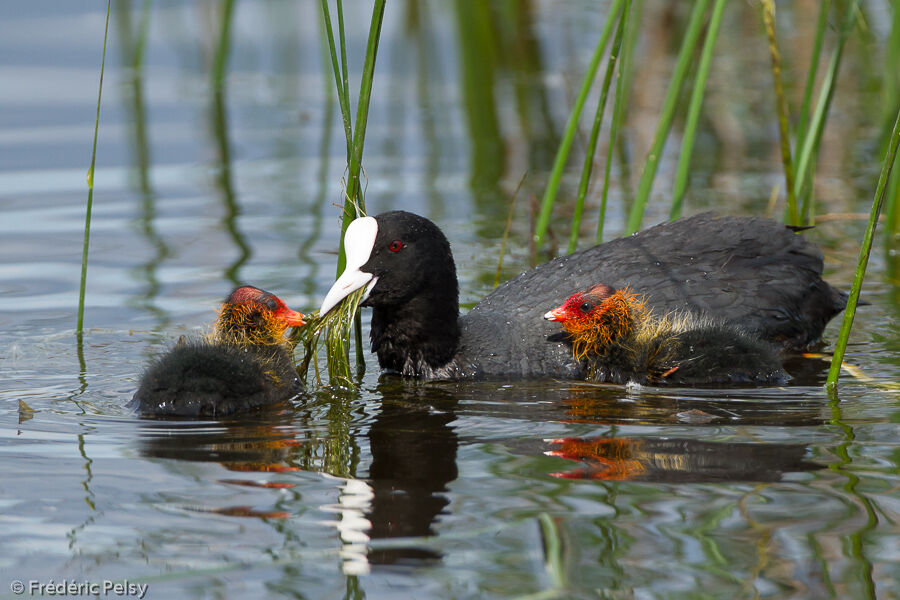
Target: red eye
x=396, y=246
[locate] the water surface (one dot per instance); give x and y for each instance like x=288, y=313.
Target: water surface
x=498, y=489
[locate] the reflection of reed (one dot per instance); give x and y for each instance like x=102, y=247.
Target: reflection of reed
x=428, y=69
x=316, y=209
x=863, y=563
x=223, y=180
x=219, y=125
x=478, y=57
x=89, y=499
x=523, y=56
x=679, y=460
x=133, y=62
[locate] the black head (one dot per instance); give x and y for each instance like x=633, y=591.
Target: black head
x=404, y=262
x=411, y=257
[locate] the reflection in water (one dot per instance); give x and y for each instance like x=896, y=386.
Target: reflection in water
x=679, y=460
x=219, y=129
x=259, y=443
x=413, y=451
x=592, y=405
x=477, y=62
x=429, y=72
x=132, y=55
x=262, y=443
x=523, y=56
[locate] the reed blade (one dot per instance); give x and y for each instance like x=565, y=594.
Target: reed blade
x=693, y=118
x=667, y=115
x=595, y=130
x=863, y=259
x=79, y=327
x=807, y=154
x=562, y=153
x=340, y=321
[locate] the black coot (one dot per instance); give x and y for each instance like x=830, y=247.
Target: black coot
x=752, y=272
x=622, y=341
x=246, y=362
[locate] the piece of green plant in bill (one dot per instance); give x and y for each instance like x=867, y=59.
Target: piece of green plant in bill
x=334, y=329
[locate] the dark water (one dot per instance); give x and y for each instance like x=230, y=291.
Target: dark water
x=537, y=490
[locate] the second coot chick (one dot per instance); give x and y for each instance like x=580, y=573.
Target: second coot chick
x=244, y=364
x=621, y=341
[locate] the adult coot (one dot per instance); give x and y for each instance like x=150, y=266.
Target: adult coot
x=621, y=341
x=752, y=272
x=245, y=363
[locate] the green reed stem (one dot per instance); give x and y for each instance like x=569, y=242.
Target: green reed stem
x=342, y=90
x=693, y=117
x=623, y=81
x=803, y=119
x=509, y=219
x=667, y=115
x=863, y=260
x=354, y=202
x=362, y=114
x=768, y=7
x=79, y=328
x=595, y=130
x=807, y=155
x=345, y=73
x=220, y=60
x=562, y=153
x=892, y=102
x=892, y=209
x=554, y=552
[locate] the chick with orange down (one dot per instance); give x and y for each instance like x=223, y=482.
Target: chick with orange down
x=244, y=364
x=622, y=341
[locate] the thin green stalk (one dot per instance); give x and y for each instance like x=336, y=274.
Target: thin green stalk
x=354, y=192
x=224, y=46
x=342, y=91
x=821, y=26
x=693, y=118
x=595, y=130
x=345, y=76
x=892, y=66
x=892, y=210
x=695, y=26
x=863, y=260
x=79, y=328
x=768, y=7
x=509, y=218
x=140, y=44
x=623, y=84
x=562, y=153
x=892, y=102
x=362, y=115
x=807, y=155
x=554, y=552
x=354, y=203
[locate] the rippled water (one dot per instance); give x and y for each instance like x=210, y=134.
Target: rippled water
x=538, y=489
